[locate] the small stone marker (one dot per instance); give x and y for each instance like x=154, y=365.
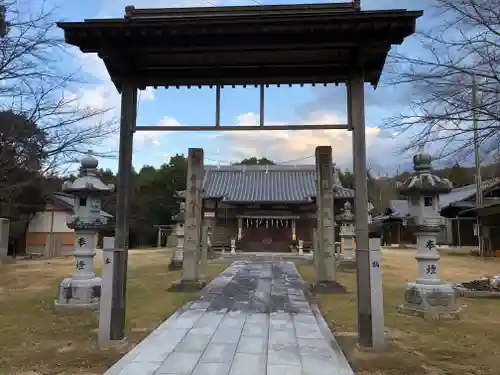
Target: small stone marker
x=301, y=247
x=377, y=298
x=108, y=255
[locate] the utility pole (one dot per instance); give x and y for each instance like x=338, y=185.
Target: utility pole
x=479, y=193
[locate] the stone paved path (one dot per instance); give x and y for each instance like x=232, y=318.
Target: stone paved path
x=253, y=319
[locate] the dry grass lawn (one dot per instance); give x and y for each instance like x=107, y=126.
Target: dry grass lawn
x=416, y=347
x=36, y=340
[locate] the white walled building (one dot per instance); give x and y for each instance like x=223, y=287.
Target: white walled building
x=51, y=223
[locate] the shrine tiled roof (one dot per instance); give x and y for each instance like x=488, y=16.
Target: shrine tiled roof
x=257, y=183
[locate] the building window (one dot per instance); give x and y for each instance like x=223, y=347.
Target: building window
x=83, y=202
x=428, y=202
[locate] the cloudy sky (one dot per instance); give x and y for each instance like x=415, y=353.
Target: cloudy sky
x=240, y=106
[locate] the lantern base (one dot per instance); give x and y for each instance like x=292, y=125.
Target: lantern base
x=433, y=302
x=176, y=261
x=79, y=293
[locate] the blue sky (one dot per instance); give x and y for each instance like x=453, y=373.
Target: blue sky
x=241, y=106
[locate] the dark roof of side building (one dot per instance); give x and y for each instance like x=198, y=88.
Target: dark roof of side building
x=459, y=197
x=259, y=183
x=68, y=201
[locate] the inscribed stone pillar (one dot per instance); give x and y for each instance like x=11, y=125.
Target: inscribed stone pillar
x=4, y=238
x=192, y=240
x=192, y=227
x=326, y=272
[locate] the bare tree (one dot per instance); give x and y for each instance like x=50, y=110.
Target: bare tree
x=462, y=48
x=39, y=82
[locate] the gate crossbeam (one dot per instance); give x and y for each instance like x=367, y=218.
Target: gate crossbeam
x=238, y=127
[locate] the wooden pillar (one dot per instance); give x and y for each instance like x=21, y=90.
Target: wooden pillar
x=124, y=185
x=458, y=233
x=356, y=104
x=400, y=227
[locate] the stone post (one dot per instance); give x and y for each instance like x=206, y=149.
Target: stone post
x=301, y=247
x=192, y=227
x=428, y=296
x=324, y=199
x=83, y=288
x=377, y=298
x=4, y=239
x=233, y=246
x=109, y=256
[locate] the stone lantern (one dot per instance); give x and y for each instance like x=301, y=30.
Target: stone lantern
x=428, y=296
x=347, y=233
x=83, y=288
x=178, y=255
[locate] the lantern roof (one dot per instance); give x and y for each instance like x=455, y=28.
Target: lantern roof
x=88, y=183
x=424, y=181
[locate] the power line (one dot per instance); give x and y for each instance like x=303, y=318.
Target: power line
x=295, y=160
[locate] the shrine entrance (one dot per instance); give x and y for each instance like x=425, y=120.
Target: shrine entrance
x=315, y=44
x=267, y=233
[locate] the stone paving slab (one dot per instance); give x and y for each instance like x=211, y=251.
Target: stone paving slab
x=253, y=319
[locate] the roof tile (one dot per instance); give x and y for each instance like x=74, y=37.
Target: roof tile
x=244, y=183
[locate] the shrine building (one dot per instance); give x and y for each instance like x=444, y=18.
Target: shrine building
x=264, y=207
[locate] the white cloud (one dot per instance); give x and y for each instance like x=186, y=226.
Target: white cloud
x=151, y=137
x=298, y=146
